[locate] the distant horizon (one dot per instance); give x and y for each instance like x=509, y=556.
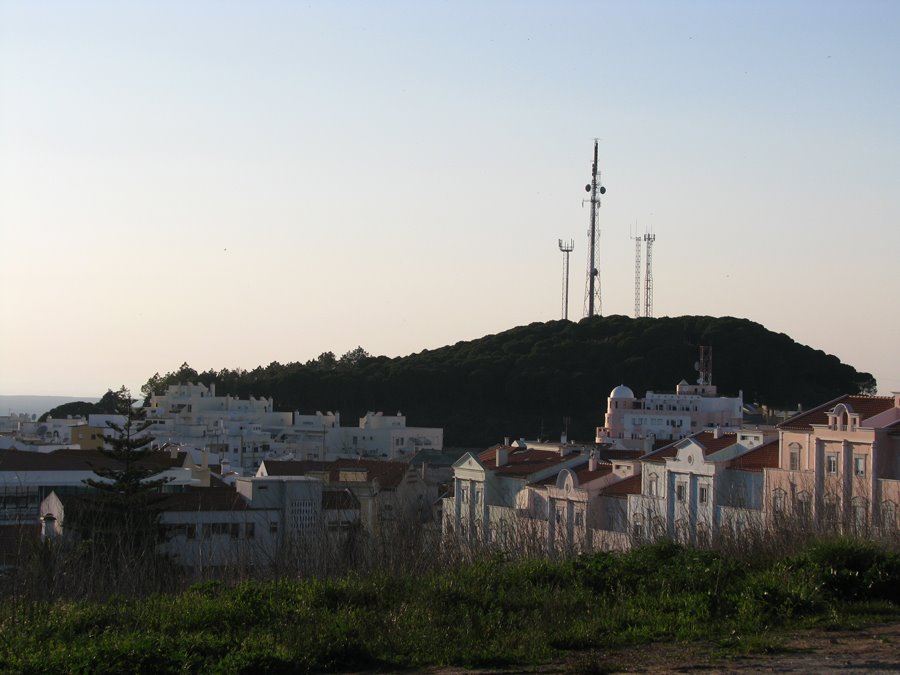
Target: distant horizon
x=232, y=184
x=886, y=389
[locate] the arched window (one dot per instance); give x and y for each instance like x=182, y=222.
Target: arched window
x=802, y=506
x=778, y=497
x=859, y=509
x=653, y=485
x=794, y=456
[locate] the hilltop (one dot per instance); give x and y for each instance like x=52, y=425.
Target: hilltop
x=523, y=381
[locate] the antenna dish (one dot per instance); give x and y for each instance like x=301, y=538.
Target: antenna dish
x=602, y=190
x=587, y=188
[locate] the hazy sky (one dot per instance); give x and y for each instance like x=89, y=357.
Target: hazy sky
x=235, y=183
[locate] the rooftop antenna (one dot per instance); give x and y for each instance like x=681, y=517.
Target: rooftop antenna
x=649, y=238
x=592, y=302
x=566, y=247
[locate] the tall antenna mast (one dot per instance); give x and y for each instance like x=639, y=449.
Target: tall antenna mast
x=566, y=247
x=649, y=238
x=704, y=365
x=637, y=276
x=592, y=303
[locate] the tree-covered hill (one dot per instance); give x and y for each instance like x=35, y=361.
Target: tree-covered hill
x=524, y=381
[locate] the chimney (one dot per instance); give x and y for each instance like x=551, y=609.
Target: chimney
x=716, y=432
x=564, y=450
x=204, y=461
x=506, y=440
x=224, y=467
x=562, y=438
x=173, y=451
x=592, y=462
x=502, y=456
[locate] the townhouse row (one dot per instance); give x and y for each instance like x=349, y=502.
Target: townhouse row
x=836, y=466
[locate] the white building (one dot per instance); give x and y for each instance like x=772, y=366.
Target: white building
x=245, y=432
x=633, y=422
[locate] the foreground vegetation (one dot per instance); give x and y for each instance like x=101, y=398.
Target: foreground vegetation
x=493, y=612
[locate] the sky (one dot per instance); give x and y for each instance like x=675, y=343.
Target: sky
x=229, y=184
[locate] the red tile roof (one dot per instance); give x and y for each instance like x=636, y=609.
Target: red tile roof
x=763, y=457
x=389, y=474
x=523, y=461
x=196, y=499
x=706, y=439
x=626, y=486
x=339, y=500
x=79, y=460
x=866, y=406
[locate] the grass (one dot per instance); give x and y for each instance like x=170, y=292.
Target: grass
x=493, y=613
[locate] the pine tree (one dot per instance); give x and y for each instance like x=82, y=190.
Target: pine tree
x=122, y=516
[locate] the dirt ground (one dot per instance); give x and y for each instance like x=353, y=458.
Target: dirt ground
x=875, y=649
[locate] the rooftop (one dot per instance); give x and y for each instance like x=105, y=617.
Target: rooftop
x=865, y=406
x=523, y=461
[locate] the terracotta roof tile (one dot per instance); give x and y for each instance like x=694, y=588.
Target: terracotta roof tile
x=523, y=461
x=866, y=406
x=757, y=459
x=626, y=486
x=339, y=500
x=79, y=460
x=389, y=474
x=705, y=438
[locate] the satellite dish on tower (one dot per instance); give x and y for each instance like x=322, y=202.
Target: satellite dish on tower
x=587, y=188
x=602, y=190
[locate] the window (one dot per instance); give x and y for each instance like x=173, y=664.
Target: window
x=579, y=518
x=273, y=527
x=681, y=491
x=653, y=485
x=778, y=501
x=250, y=530
x=889, y=515
x=831, y=463
x=235, y=530
x=794, y=449
x=803, y=506
x=831, y=510
x=703, y=495
x=859, y=465
x=859, y=508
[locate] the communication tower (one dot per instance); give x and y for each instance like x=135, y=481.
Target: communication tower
x=566, y=247
x=592, y=302
x=649, y=238
x=637, y=276
x=704, y=365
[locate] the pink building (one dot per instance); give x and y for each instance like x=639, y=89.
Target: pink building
x=839, y=464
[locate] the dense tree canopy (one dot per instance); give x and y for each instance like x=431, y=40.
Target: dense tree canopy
x=523, y=381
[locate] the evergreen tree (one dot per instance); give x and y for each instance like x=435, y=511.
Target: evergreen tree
x=121, y=518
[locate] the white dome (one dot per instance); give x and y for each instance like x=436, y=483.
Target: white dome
x=621, y=392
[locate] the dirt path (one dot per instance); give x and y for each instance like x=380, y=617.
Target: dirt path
x=875, y=649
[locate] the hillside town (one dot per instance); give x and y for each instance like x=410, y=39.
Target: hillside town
x=242, y=483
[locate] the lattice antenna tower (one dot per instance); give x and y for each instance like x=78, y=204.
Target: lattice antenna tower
x=649, y=238
x=637, y=276
x=566, y=247
x=592, y=297
x=704, y=365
